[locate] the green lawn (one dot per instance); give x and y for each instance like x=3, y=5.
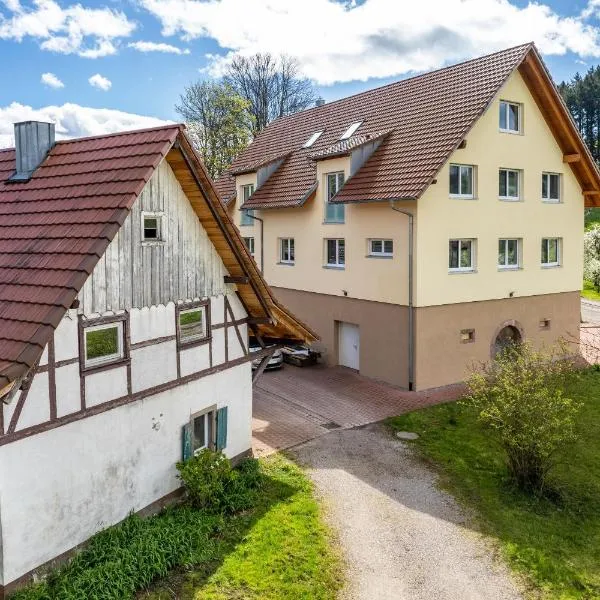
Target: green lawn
x=280, y=550
x=589, y=291
x=555, y=544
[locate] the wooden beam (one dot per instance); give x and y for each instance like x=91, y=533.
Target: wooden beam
x=259, y=321
x=591, y=192
x=240, y=279
x=571, y=158
x=263, y=365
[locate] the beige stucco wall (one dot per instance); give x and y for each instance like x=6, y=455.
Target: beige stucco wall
x=487, y=218
x=246, y=230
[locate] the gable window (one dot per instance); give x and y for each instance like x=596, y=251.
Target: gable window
x=509, y=253
x=335, y=253
x=152, y=227
x=313, y=138
x=351, y=130
x=509, y=184
x=510, y=117
x=246, y=216
x=551, y=252
x=286, y=251
x=334, y=213
x=461, y=255
x=550, y=187
x=193, y=323
x=383, y=248
x=103, y=343
x=249, y=241
x=203, y=427
x=461, y=181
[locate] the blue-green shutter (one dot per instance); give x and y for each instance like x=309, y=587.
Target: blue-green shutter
x=186, y=442
x=221, y=428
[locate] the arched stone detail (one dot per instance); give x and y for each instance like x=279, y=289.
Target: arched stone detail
x=509, y=323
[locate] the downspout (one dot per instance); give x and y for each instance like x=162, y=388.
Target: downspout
x=411, y=320
x=262, y=246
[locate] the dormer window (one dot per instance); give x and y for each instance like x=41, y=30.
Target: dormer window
x=351, y=130
x=313, y=138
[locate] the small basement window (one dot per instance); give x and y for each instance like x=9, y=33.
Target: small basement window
x=192, y=324
x=467, y=336
x=103, y=344
x=152, y=230
x=203, y=426
x=313, y=138
x=351, y=130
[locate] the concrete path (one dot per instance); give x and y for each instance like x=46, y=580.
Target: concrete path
x=403, y=538
x=590, y=311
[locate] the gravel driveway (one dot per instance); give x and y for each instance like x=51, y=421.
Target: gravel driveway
x=403, y=539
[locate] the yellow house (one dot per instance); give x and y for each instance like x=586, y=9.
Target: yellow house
x=420, y=226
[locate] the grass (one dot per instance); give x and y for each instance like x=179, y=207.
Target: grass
x=279, y=550
x=589, y=291
x=554, y=544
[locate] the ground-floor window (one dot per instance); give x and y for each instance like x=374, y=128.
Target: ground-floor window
x=206, y=429
x=249, y=241
x=335, y=253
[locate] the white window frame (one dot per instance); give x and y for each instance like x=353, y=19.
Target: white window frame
x=505, y=104
x=519, y=184
x=193, y=339
x=340, y=208
x=313, y=138
x=351, y=130
x=382, y=253
x=289, y=245
x=159, y=216
x=556, y=263
x=548, y=199
x=459, y=269
x=505, y=266
x=210, y=420
x=109, y=358
x=470, y=196
x=337, y=264
x=249, y=242
x=246, y=215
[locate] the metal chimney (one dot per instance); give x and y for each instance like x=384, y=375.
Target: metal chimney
x=33, y=141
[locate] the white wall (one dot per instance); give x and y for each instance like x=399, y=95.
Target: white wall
x=59, y=487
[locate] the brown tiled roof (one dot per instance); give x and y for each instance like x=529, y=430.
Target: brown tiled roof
x=55, y=227
x=427, y=117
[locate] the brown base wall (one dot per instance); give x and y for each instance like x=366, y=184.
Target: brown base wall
x=151, y=509
x=383, y=330
x=441, y=357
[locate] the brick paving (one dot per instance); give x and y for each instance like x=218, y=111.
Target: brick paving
x=294, y=405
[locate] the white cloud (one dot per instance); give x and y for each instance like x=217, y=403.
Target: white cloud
x=51, y=80
x=74, y=29
x=157, y=47
x=376, y=38
x=100, y=82
x=72, y=120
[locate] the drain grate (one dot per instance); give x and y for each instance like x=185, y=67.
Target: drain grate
x=330, y=425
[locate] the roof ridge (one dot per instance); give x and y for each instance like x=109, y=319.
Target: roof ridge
x=179, y=126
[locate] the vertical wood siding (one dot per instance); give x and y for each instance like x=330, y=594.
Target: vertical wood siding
x=133, y=274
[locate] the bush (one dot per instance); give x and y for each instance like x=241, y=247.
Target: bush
x=212, y=484
x=591, y=256
x=519, y=396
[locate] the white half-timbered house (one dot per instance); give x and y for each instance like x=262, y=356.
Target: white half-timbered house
x=126, y=296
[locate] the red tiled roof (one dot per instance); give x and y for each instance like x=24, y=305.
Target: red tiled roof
x=55, y=227
x=427, y=117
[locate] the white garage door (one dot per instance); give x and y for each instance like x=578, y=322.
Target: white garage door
x=349, y=345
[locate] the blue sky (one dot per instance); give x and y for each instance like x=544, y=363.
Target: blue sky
x=68, y=61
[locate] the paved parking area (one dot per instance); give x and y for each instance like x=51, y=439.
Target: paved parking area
x=294, y=405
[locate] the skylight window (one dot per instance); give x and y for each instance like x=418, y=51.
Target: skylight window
x=350, y=131
x=313, y=138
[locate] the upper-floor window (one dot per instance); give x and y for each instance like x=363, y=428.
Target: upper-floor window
x=246, y=216
x=313, y=138
x=351, y=130
x=286, y=251
x=335, y=253
x=551, y=252
x=381, y=248
x=249, y=241
x=551, y=187
x=509, y=253
x=509, y=184
x=461, y=181
x=461, y=255
x=193, y=323
x=152, y=227
x=334, y=213
x=104, y=343
x=510, y=117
